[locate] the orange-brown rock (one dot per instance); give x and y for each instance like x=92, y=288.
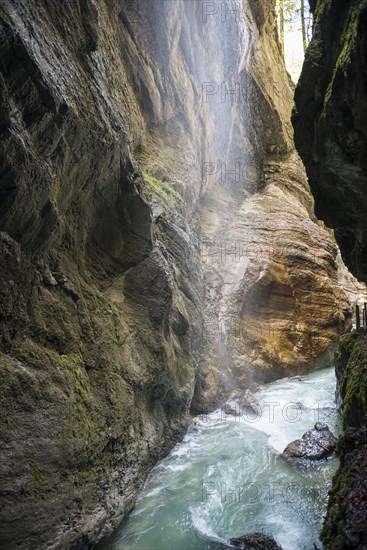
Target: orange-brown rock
x=276, y=288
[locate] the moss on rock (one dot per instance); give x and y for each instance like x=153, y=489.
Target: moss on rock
x=164, y=190
x=345, y=525
x=353, y=386
x=330, y=124
x=348, y=40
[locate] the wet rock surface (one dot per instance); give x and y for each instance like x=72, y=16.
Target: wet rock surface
x=100, y=317
x=345, y=524
x=249, y=403
x=315, y=444
x=231, y=409
x=330, y=122
x=272, y=308
x=255, y=541
x=251, y=541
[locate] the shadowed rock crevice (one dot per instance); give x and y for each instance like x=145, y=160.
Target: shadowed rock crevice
x=330, y=121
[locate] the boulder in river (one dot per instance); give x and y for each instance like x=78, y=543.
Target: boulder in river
x=228, y=408
x=315, y=444
x=255, y=541
x=251, y=541
x=197, y=422
x=249, y=403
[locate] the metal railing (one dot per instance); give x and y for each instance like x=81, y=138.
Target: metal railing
x=364, y=316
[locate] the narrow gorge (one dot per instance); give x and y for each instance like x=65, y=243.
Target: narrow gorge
x=168, y=255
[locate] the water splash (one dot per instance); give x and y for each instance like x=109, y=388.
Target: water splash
x=225, y=479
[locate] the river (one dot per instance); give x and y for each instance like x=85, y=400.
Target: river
x=226, y=479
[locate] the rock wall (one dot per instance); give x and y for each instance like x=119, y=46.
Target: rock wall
x=330, y=122
x=111, y=315
x=274, y=301
x=101, y=317
x=345, y=524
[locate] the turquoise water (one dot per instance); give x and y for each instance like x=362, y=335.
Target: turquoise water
x=225, y=479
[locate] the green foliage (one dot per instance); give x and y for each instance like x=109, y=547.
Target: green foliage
x=294, y=13
x=349, y=35
x=291, y=11
x=39, y=357
x=69, y=371
x=321, y=7
x=347, y=341
x=114, y=331
x=40, y=484
x=164, y=190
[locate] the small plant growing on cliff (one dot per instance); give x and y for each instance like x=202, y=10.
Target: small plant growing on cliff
x=163, y=189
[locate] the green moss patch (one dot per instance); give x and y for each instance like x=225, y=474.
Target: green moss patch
x=347, y=503
x=354, y=383
x=73, y=379
x=321, y=7
x=162, y=190
x=332, y=534
x=81, y=477
x=347, y=44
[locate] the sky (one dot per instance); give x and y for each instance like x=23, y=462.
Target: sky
x=293, y=46
x=294, y=56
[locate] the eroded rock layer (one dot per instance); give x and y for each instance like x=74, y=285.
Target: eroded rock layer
x=274, y=301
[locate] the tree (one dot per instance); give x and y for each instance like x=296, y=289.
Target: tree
x=281, y=24
x=303, y=21
x=291, y=13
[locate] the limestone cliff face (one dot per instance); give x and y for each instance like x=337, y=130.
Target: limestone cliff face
x=114, y=129
x=273, y=295
x=330, y=123
x=100, y=292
